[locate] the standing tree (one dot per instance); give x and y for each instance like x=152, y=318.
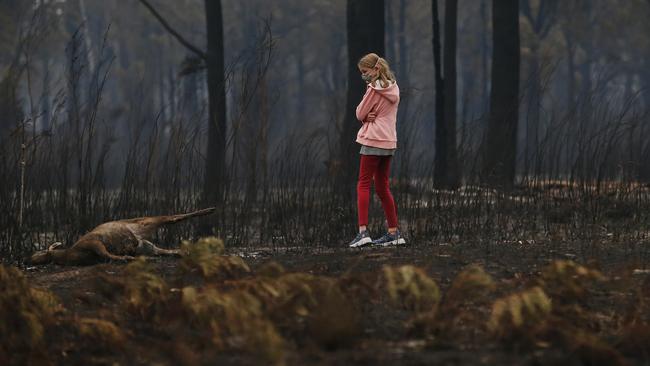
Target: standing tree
x=215, y=171
x=215, y=162
x=485, y=85
x=446, y=162
x=441, y=129
x=541, y=19
x=501, y=140
x=365, y=29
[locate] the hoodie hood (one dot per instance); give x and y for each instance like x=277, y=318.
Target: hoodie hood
x=391, y=92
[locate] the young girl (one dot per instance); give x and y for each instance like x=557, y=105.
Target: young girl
x=378, y=138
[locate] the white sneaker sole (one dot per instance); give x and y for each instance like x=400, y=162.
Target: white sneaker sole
x=399, y=241
x=361, y=242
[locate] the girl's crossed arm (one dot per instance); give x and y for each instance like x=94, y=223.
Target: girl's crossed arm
x=366, y=106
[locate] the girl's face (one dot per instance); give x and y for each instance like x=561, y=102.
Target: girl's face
x=370, y=72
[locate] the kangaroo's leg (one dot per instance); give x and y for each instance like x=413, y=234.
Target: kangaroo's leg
x=145, y=247
x=98, y=248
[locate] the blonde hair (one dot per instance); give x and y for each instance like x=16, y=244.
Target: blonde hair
x=385, y=75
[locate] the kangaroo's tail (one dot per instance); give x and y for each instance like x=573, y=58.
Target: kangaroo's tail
x=176, y=218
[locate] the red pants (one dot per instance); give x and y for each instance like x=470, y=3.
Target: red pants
x=377, y=167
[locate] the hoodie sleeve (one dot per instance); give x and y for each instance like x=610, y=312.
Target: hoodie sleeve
x=366, y=105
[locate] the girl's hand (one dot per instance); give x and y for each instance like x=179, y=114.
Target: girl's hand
x=371, y=117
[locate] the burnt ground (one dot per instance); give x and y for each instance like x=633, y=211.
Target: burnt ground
x=385, y=338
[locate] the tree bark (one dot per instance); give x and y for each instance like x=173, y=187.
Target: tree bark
x=446, y=168
x=391, y=34
x=86, y=36
x=46, y=98
x=403, y=49
x=300, y=63
x=501, y=140
x=485, y=95
x=449, y=59
x=533, y=116
x=571, y=70
x=215, y=168
x=190, y=99
x=402, y=71
x=440, y=161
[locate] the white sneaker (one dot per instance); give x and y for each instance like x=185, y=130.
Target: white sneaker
x=361, y=239
x=390, y=239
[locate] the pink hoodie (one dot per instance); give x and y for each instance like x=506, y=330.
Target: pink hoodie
x=381, y=133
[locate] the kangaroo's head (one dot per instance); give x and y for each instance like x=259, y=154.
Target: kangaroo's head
x=44, y=256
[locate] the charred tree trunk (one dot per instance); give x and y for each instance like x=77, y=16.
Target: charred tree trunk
x=391, y=34
x=301, y=77
x=46, y=98
x=485, y=97
x=402, y=73
x=440, y=162
x=585, y=99
x=403, y=49
x=446, y=172
x=449, y=65
x=215, y=168
x=571, y=70
x=190, y=95
x=533, y=112
x=171, y=93
x=501, y=140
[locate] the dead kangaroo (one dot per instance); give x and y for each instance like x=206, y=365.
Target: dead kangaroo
x=115, y=240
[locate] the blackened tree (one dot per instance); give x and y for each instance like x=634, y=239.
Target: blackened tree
x=446, y=162
x=501, y=136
